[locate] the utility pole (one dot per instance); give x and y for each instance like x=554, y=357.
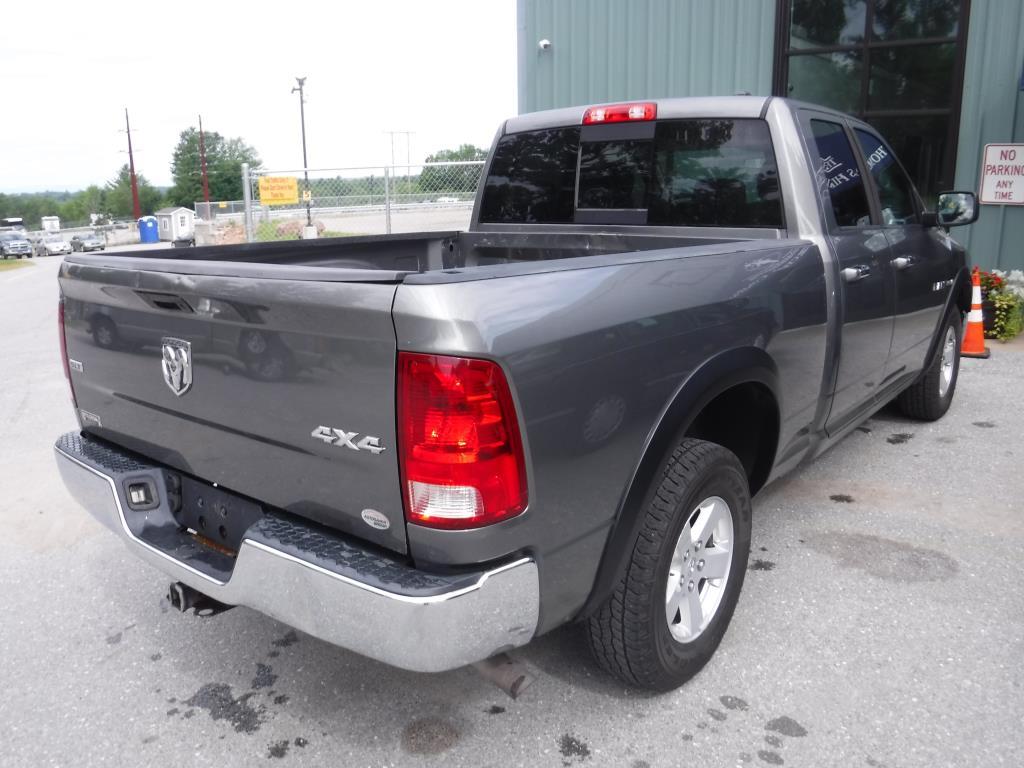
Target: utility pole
x=136, y=208
x=202, y=166
x=408, y=152
x=305, y=162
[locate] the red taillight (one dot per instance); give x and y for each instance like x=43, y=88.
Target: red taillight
x=62, y=335
x=621, y=113
x=460, y=449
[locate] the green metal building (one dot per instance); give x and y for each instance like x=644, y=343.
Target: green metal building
x=939, y=78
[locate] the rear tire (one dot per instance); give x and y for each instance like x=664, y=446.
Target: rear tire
x=928, y=398
x=636, y=636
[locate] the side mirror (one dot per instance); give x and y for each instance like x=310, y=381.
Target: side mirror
x=954, y=209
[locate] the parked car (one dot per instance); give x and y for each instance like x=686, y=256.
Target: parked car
x=15, y=243
x=558, y=415
x=88, y=242
x=52, y=245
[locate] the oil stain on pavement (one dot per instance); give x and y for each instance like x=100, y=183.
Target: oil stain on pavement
x=221, y=704
x=787, y=726
x=734, y=703
x=429, y=736
x=265, y=677
x=897, y=438
x=278, y=749
x=884, y=558
x=573, y=748
x=290, y=638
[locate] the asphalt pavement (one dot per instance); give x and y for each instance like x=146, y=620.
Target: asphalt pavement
x=881, y=623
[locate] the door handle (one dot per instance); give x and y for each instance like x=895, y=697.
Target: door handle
x=855, y=274
x=902, y=262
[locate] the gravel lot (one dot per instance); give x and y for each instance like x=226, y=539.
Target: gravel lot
x=882, y=623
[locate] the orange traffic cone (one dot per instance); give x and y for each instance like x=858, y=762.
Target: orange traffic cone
x=974, y=339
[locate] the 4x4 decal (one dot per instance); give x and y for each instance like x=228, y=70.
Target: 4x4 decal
x=341, y=437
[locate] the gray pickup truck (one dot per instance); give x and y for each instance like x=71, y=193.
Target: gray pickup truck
x=431, y=448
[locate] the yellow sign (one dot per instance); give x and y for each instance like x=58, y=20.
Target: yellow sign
x=307, y=195
x=279, y=190
x=222, y=205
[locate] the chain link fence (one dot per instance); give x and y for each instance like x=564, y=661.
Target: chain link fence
x=224, y=209
x=347, y=201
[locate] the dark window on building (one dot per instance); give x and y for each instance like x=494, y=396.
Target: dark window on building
x=896, y=64
x=697, y=173
x=838, y=166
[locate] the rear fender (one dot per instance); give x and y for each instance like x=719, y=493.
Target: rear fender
x=720, y=373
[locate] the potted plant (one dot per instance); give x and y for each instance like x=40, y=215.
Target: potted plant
x=991, y=284
x=1002, y=303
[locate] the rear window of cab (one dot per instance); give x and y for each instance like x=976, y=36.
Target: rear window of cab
x=692, y=172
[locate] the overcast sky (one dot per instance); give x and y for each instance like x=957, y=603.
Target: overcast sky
x=445, y=69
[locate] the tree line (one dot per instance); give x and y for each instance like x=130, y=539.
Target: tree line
x=429, y=180
x=113, y=200
x=224, y=158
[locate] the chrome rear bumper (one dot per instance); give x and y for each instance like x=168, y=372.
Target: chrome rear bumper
x=319, y=583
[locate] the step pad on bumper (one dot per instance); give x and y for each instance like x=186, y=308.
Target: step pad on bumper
x=321, y=583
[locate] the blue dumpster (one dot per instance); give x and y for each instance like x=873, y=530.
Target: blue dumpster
x=148, y=231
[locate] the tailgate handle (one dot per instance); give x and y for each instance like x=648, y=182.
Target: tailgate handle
x=165, y=301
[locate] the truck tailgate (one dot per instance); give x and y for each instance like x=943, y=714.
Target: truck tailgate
x=282, y=390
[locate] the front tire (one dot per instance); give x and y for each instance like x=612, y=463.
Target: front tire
x=670, y=610
x=928, y=398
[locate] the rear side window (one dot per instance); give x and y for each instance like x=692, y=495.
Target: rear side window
x=697, y=173
x=839, y=168
x=532, y=178
x=895, y=193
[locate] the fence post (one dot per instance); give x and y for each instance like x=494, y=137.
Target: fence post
x=387, y=200
x=247, y=200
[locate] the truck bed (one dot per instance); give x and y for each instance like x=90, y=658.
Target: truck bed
x=388, y=258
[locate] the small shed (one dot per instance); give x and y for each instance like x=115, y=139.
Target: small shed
x=176, y=223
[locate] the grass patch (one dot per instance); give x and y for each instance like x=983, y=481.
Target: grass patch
x=7, y=264
x=266, y=231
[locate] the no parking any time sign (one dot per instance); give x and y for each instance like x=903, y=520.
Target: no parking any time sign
x=1002, y=174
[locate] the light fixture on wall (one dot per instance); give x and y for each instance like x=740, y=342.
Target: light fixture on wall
x=544, y=44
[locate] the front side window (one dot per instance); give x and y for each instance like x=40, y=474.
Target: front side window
x=895, y=192
x=838, y=168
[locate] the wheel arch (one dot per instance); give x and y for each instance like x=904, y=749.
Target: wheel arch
x=959, y=299
x=745, y=370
